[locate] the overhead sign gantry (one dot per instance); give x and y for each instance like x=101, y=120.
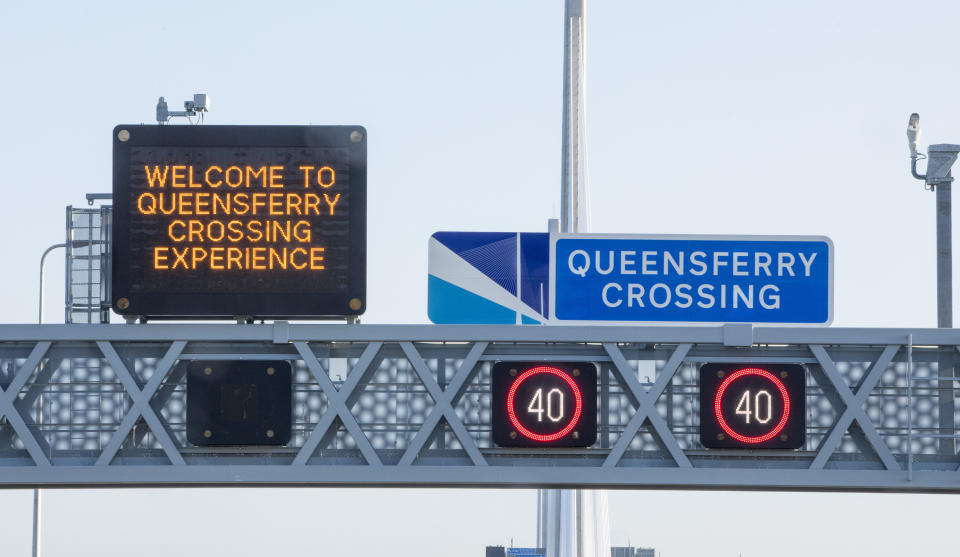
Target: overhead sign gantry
x=108, y=405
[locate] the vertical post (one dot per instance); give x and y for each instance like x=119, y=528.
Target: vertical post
x=67, y=270
x=36, y=491
x=604, y=407
x=910, y=407
x=944, y=256
x=539, y=518
x=36, y=522
x=442, y=382
x=940, y=160
x=946, y=360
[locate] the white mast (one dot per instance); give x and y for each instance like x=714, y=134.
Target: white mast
x=573, y=523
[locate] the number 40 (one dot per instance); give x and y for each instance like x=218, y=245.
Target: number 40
x=554, y=411
x=762, y=409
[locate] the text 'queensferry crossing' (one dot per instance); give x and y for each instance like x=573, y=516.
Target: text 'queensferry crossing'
x=690, y=279
x=239, y=216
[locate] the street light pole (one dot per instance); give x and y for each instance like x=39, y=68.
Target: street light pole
x=42, y=262
x=37, y=500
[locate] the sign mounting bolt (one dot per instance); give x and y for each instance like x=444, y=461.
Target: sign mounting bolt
x=356, y=136
x=123, y=135
x=123, y=303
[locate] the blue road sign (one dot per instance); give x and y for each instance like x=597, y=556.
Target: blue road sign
x=691, y=279
x=523, y=552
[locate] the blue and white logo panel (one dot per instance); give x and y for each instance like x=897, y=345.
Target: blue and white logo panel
x=488, y=278
x=692, y=279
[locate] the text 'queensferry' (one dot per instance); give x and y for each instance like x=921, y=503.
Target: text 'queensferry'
x=693, y=280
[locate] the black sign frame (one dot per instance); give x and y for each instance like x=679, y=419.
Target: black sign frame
x=175, y=304
x=270, y=399
x=786, y=378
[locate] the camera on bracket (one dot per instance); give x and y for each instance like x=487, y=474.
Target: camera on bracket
x=200, y=103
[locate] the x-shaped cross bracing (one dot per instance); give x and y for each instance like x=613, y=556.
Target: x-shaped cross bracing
x=8, y=409
x=338, y=403
x=444, y=401
x=854, y=411
x=645, y=403
x=141, y=402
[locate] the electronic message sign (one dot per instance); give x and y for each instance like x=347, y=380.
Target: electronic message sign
x=544, y=404
x=746, y=406
x=239, y=221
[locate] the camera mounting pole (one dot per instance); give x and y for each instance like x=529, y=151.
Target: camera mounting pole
x=940, y=159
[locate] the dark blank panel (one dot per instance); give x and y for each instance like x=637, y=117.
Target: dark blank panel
x=239, y=402
x=544, y=404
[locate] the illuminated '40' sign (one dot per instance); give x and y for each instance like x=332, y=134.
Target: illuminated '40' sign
x=752, y=406
x=544, y=404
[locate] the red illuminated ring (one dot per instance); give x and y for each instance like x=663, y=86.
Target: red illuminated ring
x=769, y=377
x=578, y=406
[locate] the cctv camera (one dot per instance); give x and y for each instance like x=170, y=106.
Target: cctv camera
x=201, y=102
x=913, y=133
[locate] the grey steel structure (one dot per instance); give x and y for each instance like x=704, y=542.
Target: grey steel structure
x=104, y=405
x=87, y=288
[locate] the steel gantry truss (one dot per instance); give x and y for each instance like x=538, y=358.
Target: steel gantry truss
x=105, y=405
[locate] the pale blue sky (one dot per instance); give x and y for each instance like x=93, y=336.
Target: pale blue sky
x=751, y=117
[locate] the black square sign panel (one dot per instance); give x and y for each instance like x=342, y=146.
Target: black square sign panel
x=238, y=402
x=239, y=221
x=544, y=404
x=752, y=406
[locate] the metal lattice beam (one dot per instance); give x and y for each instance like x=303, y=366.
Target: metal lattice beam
x=73, y=412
